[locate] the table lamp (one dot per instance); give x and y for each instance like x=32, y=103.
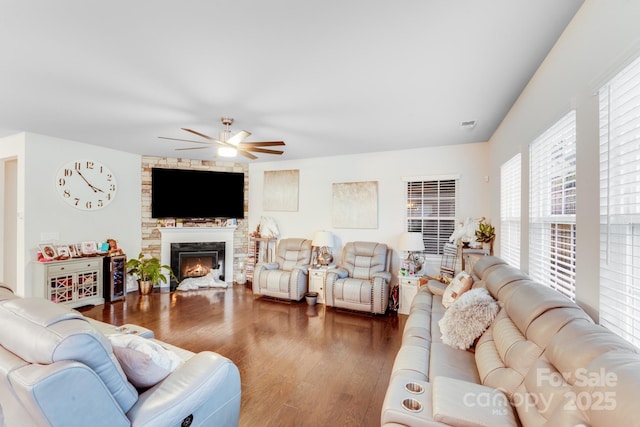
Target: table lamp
x=412, y=242
x=324, y=241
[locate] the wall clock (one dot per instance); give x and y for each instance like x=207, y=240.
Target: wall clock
x=86, y=184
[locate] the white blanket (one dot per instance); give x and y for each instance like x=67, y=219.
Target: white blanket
x=211, y=280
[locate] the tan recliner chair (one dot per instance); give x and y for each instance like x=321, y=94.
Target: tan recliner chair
x=287, y=277
x=362, y=281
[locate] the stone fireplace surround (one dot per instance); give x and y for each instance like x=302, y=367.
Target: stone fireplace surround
x=171, y=235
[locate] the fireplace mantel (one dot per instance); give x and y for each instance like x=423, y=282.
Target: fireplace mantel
x=171, y=235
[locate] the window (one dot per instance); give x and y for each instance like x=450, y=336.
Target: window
x=620, y=204
x=552, y=207
x=431, y=210
x=510, y=210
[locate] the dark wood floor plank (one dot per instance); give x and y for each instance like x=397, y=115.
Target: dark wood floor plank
x=299, y=365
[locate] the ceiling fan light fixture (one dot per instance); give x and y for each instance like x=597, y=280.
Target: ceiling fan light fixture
x=231, y=144
x=227, y=152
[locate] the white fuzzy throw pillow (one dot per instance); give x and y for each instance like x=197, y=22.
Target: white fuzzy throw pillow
x=467, y=318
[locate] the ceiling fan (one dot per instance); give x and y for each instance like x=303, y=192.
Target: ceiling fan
x=230, y=145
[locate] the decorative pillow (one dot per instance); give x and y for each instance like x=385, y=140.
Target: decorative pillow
x=458, y=286
x=144, y=361
x=467, y=318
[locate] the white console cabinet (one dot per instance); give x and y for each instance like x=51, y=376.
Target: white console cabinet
x=75, y=282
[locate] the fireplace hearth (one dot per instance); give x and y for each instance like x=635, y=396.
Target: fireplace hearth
x=196, y=259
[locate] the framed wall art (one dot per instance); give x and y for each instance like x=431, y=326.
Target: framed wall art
x=280, y=190
x=355, y=205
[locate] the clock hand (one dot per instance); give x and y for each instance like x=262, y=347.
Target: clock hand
x=95, y=189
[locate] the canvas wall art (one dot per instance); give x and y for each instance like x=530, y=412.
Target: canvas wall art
x=280, y=190
x=355, y=205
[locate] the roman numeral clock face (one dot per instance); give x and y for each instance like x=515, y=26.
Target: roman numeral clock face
x=86, y=184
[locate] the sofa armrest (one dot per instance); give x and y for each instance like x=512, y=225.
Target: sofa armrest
x=267, y=266
x=395, y=414
x=205, y=386
x=461, y=403
x=298, y=282
x=257, y=271
x=304, y=268
x=330, y=278
x=385, y=275
x=340, y=272
x=436, y=288
x=38, y=389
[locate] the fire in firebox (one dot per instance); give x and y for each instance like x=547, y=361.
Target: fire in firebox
x=196, y=267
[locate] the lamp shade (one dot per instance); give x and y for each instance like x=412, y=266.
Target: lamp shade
x=322, y=239
x=411, y=242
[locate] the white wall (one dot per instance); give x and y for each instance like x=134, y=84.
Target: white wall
x=317, y=175
x=12, y=150
x=600, y=40
x=9, y=234
x=44, y=214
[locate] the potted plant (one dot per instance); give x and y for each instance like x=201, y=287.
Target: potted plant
x=485, y=233
x=148, y=270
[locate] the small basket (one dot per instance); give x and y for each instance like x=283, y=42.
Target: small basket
x=311, y=297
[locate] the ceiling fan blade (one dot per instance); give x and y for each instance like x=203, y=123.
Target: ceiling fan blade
x=225, y=143
x=195, y=132
x=261, y=144
x=238, y=137
x=193, y=148
x=186, y=140
x=247, y=154
x=264, y=150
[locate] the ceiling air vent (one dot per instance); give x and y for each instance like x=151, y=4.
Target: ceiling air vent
x=468, y=124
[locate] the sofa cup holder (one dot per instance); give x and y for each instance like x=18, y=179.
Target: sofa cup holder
x=412, y=405
x=414, y=388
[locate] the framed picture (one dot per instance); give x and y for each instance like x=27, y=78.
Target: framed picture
x=89, y=248
x=73, y=253
x=48, y=251
x=63, y=251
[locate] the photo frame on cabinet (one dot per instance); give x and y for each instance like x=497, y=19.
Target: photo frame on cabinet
x=73, y=253
x=89, y=248
x=63, y=251
x=48, y=251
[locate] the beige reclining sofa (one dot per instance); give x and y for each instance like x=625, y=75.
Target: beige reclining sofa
x=541, y=362
x=58, y=368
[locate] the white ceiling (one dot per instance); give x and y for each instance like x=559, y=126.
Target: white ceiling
x=326, y=76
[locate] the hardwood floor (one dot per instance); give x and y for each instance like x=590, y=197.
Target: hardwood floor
x=299, y=365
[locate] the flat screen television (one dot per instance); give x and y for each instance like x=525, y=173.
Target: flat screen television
x=183, y=193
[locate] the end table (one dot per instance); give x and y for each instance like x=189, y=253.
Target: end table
x=409, y=286
x=316, y=280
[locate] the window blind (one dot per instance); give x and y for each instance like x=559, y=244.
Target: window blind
x=510, y=181
x=620, y=203
x=552, y=206
x=431, y=210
